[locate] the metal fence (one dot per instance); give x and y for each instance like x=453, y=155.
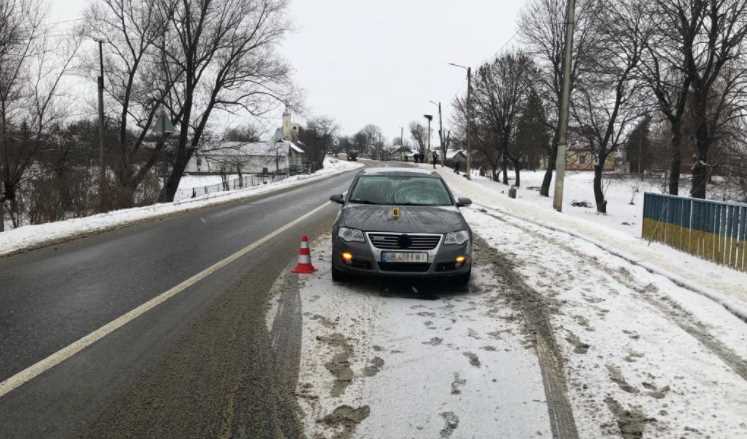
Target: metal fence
x=245, y=181
x=709, y=229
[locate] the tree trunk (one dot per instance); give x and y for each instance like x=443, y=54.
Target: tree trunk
x=598, y=192
x=676, y=164
x=517, y=170
x=172, y=183
x=551, y=163
x=504, y=167
x=2, y=216
x=700, y=168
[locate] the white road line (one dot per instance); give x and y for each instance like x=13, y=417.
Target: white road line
x=65, y=353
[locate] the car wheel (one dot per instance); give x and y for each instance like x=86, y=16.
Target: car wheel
x=339, y=276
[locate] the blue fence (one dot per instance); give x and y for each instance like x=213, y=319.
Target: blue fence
x=709, y=229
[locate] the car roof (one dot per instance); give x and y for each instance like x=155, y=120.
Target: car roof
x=399, y=171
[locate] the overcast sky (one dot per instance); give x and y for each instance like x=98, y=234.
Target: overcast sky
x=381, y=62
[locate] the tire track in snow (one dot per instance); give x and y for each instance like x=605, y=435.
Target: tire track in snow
x=670, y=310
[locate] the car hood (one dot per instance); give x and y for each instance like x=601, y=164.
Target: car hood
x=412, y=219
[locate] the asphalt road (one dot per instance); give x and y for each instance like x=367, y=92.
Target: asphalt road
x=199, y=365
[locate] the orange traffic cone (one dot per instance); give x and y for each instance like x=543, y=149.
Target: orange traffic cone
x=304, y=258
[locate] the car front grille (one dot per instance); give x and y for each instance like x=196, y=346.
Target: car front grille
x=393, y=241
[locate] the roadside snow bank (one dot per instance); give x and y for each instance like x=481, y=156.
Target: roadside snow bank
x=35, y=236
x=724, y=285
x=643, y=356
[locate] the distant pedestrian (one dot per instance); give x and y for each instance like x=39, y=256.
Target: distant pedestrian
x=456, y=167
x=435, y=159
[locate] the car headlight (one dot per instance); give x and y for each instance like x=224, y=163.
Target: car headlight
x=457, y=238
x=351, y=235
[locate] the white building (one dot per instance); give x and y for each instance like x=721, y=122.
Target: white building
x=281, y=155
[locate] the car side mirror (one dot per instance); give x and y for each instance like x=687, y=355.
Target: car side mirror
x=339, y=199
x=463, y=202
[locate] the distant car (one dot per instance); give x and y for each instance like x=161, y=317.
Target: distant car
x=401, y=222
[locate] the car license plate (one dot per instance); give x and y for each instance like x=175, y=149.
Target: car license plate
x=404, y=258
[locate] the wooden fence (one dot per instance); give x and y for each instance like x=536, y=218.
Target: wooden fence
x=709, y=229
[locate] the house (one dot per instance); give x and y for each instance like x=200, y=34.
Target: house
x=456, y=156
x=581, y=157
x=248, y=158
x=281, y=155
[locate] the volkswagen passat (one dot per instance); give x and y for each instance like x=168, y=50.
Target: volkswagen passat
x=401, y=222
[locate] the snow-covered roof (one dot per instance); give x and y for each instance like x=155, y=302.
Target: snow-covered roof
x=451, y=153
x=249, y=149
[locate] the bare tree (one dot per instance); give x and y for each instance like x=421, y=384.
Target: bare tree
x=139, y=81
x=610, y=96
x=227, y=51
x=374, y=140
x=246, y=133
x=419, y=135
x=662, y=67
x=31, y=71
x=716, y=76
x=543, y=30
x=318, y=138
x=501, y=91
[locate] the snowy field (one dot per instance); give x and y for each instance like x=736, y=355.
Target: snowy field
x=618, y=232
x=34, y=236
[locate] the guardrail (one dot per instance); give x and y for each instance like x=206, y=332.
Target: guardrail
x=712, y=230
x=243, y=182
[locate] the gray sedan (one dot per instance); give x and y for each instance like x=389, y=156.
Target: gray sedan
x=401, y=222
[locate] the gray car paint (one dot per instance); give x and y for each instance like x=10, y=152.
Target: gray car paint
x=413, y=219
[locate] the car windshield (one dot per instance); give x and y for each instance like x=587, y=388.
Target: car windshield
x=401, y=190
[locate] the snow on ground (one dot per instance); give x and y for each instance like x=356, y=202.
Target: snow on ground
x=725, y=285
x=642, y=355
x=381, y=361
x=38, y=235
x=196, y=181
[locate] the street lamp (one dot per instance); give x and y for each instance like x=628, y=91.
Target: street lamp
x=469, y=117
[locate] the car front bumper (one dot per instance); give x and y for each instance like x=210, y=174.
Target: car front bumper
x=442, y=261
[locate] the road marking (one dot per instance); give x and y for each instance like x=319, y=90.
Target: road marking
x=67, y=352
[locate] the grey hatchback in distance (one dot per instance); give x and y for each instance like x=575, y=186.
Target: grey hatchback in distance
x=401, y=222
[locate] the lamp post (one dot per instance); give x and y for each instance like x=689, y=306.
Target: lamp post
x=469, y=118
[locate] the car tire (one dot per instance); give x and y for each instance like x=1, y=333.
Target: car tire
x=339, y=276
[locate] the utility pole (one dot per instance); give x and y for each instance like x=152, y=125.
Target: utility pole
x=469, y=123
x=564, y=104
x=441, y=133
x=428, y=117
x=102, y=169
x=468, y=170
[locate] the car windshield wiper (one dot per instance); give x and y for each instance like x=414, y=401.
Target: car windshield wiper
x=363, y=202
